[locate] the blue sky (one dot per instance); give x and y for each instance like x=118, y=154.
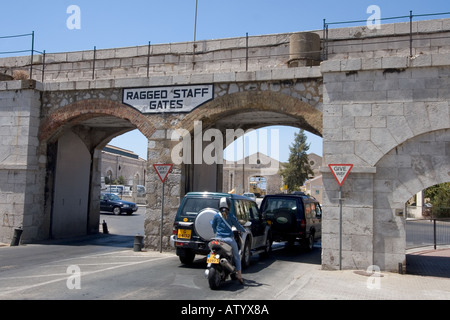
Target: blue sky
x=110, y=24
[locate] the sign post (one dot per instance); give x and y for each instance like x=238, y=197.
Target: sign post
x=340, y=173
x=163, y=171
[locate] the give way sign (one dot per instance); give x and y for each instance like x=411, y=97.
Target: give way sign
x=163, y=170
x=340, y=172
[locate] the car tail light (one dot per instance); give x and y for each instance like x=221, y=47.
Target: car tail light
x=303, y=223
x=175, y=229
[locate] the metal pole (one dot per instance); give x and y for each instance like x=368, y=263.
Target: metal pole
x=340, y=228
x=246, y=53
x=243, y=163
x=434, y=233
x=326, y=46
x=195, y=22
x=410, y=33
x=93, y=65
x=148, y=59
x=32, y=55
x=43, y=66
x=195, y=35
x=162, y=220
x=324, y=40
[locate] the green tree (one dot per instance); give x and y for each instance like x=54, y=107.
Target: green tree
x=440, y=199
x=297, y=170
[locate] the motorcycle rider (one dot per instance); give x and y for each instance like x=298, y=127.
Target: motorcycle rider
x=221, y=225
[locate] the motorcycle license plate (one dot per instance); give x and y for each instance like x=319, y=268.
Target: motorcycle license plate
x=212, y=260
x=184, y=233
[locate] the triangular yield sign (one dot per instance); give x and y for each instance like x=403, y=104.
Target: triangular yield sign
x=163, y=170
x=340, y=172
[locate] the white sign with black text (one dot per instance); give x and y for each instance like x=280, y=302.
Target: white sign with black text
x=168, y=99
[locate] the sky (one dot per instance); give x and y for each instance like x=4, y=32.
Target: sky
x=112, y=24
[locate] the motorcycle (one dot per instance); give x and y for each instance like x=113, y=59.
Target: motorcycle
x=220, y=261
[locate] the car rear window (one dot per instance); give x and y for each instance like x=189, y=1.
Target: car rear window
x=192, y=206
x=272, y=205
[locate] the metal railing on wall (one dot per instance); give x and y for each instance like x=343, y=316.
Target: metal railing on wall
x=326, y=40
x=30, y=50
x=95, y=65
x=146, y=66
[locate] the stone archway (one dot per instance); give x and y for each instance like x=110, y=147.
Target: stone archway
x=81, y=111
x=227, y=111
x=412, y=166
x=245, y=110
x=306, y=116
x=83, y=127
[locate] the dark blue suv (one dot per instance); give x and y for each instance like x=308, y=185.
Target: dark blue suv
x=192, y=230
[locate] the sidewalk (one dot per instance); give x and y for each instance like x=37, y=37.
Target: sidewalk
x=358, y=285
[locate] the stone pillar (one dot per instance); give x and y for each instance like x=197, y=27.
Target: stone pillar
x=357, y=221
x=160, y=147
x=22, y=172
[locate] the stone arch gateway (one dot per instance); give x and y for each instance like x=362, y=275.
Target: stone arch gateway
x=246, y=105
x=374, y=100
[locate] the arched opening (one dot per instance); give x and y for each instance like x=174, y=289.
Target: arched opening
x=265, y=151
x=202, y=135
x=72, y=139
x=409, y=168
x=231, y=116
x=428, y=232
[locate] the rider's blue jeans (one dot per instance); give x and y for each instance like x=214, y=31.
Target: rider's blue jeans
x=235, y=250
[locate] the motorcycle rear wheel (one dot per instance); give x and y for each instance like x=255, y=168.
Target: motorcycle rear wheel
x=214, y=278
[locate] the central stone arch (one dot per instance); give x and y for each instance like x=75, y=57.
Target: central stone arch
x=306, y=116
x=226, y=111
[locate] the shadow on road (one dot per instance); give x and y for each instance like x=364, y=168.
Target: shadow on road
x=107, y=240
x=429, y=263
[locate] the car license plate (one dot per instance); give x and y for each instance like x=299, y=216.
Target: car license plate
x=212, y=260
x=184, y=233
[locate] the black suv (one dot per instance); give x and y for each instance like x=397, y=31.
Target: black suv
x=192, y=228
x=294, y=217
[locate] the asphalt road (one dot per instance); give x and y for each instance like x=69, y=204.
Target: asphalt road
x=106, y=267
x=420, y=233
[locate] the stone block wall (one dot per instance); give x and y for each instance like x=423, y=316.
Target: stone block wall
x=21, y=170
x=379, y=116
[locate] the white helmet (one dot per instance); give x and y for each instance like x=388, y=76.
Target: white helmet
x=224, y=203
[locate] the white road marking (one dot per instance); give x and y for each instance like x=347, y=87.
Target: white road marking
x=9, y=290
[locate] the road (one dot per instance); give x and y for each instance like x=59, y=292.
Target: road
x=420, y=233
x=104, y=266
